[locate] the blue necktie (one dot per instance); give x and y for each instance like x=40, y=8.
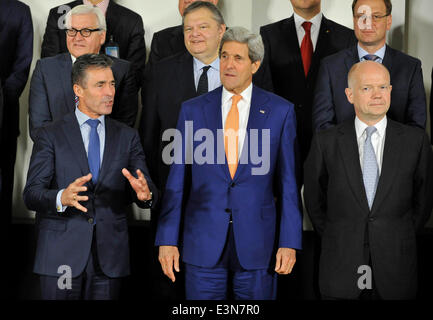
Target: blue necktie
x=371, y=57
x=370, y=168
x=93, y=154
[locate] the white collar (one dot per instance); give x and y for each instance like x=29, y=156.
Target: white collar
x=361, y=126
x=246, y=94
x=316, y=20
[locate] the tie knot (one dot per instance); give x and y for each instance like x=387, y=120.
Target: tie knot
x=206, y=69
x=235, y=99
x=307, y=26
x=370, y=131
x=371, y=57
x=93, y=123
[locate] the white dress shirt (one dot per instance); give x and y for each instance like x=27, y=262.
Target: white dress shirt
x=244, y=111
x=315, y=28
x=377, y=140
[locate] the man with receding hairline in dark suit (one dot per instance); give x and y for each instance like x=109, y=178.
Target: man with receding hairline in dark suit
x=169, y=41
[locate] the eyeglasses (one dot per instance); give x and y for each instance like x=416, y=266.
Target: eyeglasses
x=86, y=32
x=374, y=17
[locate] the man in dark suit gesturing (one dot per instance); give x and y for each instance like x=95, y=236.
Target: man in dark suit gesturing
x=51, y=95
x=294, y=48
x=169, y=41
x=368, y=184
x=371, y=19
x=81, y=216
x=124, y=26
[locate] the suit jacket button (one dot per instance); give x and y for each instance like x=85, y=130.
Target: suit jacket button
x=228, y=210
x=90, y=220
x=371, y=219
x=233, y=185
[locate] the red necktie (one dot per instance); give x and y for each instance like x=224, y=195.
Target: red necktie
x=307, y=47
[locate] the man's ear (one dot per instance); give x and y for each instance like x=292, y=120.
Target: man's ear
x=349, y=95
x=256, y=66
x=103, y=37
x=78, y=90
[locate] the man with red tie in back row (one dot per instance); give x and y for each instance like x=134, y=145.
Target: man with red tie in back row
x=294, y=48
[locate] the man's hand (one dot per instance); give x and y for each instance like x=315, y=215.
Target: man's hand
x=169, y=257
x=70, y=196
x=139, y=185
x=286, y=259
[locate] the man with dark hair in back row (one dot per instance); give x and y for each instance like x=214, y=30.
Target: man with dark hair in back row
x=294, y=48
x=371, y=20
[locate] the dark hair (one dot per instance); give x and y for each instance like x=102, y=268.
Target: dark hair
x=218, y=17
x=388, y=6
x=85, y=62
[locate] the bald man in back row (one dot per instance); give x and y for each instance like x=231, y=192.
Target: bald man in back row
x=368, y=185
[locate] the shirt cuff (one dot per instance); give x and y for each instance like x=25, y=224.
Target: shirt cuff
x=59, y=206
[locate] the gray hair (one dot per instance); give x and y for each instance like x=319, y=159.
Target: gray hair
x=256, y=49
x=217, y=16
x=86, y=9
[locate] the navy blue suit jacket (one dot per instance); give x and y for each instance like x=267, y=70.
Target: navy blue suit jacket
x=331, y=107
x=16, y=52
x=58, y=158
x=213, y=196
x=51, y=94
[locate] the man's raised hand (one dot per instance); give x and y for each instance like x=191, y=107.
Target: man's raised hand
x=70, y=196
x=139, y=185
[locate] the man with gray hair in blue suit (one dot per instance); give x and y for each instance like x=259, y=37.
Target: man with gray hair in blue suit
x=233, y=231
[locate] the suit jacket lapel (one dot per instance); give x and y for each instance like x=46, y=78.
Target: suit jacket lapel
x=391, y=159
x=388, y=58
x=176, y=34
x=352, y=57
x=349, y=153
x=110, y=145
x=321, y=46
x=65, y=63
x=259, y=111
x=109, y=16
x=72, y=133
x=213, y=115
x=185, y=77
x=292, y=39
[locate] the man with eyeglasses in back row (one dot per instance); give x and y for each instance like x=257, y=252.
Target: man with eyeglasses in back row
x=372, y=19
x=51, y=95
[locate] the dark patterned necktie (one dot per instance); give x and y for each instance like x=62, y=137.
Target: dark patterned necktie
x=202, y=86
